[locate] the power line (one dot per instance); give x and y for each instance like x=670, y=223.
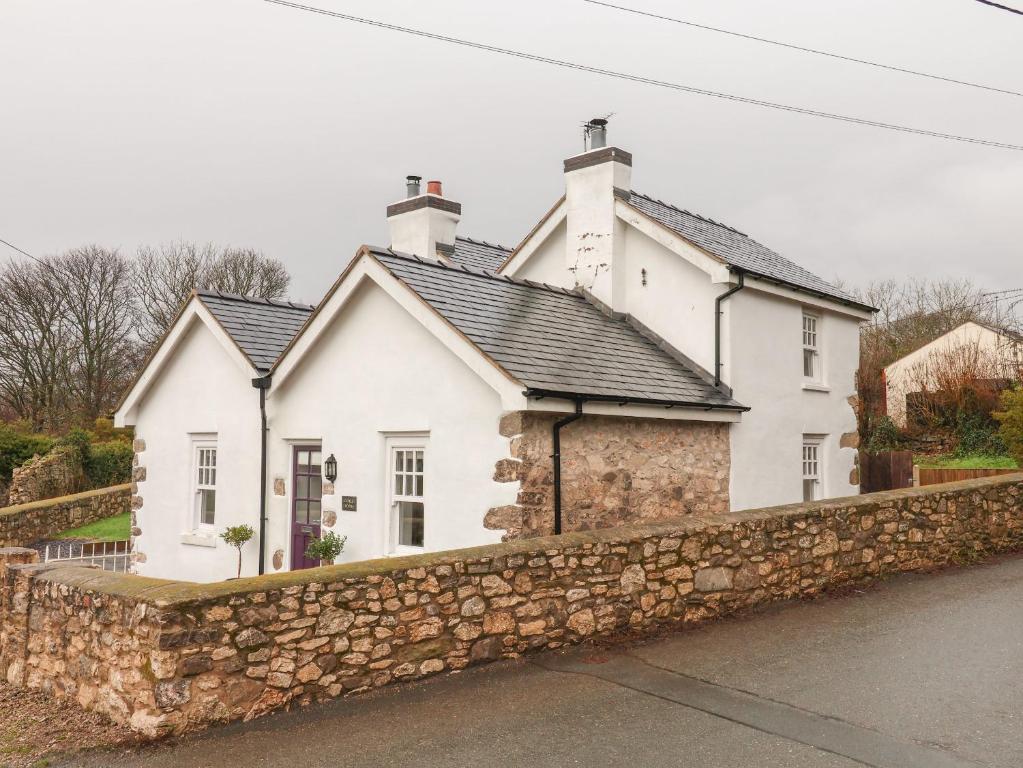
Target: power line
x=23, y=253
x=801, y=48
x=648, y=80
x=1002, y=7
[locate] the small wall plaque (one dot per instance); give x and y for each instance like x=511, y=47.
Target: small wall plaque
x=349, y=503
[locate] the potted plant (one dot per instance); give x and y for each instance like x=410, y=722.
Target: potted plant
x=237, y=536
x=327, y=548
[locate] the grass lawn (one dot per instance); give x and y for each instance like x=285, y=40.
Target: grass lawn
x=970, y=461
x=115, y=528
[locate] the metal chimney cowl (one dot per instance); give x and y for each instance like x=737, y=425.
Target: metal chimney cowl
x=412, y=186
x=596, y=130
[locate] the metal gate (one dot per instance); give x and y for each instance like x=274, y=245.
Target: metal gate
x=112, y=556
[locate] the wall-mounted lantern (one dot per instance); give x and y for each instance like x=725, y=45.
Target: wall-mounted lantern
x=330, y=468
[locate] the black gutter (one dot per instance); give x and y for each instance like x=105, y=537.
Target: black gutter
x=810, y=291
x=262, y=384
x=620, y=400
x=556, y=433
x=717, y=324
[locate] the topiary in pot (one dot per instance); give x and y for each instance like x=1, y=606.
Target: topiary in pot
x=327, y=548
x=237, y=536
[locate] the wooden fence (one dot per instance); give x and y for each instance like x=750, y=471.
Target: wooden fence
x=934, y=475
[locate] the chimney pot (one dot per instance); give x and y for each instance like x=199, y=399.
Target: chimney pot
x=412, y=186
x=434, y=188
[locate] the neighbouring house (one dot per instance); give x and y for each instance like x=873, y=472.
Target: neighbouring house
x=628, y=360
x=972, y=350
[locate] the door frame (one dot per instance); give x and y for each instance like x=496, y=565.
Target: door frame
x=294, y=447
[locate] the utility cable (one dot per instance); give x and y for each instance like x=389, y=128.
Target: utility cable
x=1002, y=7
x=803, y=49
x=647, y=80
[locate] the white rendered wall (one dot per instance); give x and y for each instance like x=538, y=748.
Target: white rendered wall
x=201, y=390
x=765, y=356
x=377, y=371
x=548, y=264
x=677, y=302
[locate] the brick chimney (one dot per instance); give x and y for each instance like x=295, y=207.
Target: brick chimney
x=594, y=233
x=424, y=224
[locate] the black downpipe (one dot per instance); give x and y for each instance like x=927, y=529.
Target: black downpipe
x=717, y=325
x=557, y=460
x=262, y=384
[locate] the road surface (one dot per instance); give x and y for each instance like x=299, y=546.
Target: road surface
x=923, y=671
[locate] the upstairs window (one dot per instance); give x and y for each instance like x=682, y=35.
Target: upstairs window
x=811, y=469
x=811, y=352
x=205, y=483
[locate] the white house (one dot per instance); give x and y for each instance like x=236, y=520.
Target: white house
x=971, y=348
x=628, y=360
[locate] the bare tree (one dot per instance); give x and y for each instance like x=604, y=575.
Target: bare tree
x=99, y=314
x=165, y=276
x=33, y=343
x=248, y=272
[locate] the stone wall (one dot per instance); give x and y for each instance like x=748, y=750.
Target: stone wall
x=614, y=470
x=25, y=524
x=57, y=473
x=169, y=657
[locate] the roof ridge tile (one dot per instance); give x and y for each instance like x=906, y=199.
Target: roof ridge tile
x=284, y=303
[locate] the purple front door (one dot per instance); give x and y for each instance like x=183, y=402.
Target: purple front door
x=307, y=493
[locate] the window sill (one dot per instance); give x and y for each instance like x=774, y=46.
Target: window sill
x=199, y=539
x=814, y=386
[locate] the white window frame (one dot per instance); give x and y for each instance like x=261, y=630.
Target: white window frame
x=392, y=445
x=811, y=328
x=812, y=466
x=199, y=445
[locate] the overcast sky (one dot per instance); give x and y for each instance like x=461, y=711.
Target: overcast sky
x=125, y=122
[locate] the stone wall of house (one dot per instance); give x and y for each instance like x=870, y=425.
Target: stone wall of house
x=25, y=524
x=169, y=656
x=57, y=473
x=615, y=471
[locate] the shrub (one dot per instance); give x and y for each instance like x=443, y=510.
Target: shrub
x=17, y=447
x=1010, y=417
x=104, y=431
x=884, y=436
x=104, y=463
x=326, y=549
x=977, y=434
x=108, y=463
x=79, y=440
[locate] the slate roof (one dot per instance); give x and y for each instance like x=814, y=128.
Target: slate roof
x=552, y=340
x=477, y=254
x=261, y=328
x=734, y=247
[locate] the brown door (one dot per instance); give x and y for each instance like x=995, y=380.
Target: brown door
x=307, y=494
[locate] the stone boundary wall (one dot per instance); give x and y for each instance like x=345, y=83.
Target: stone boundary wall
x=57, y=473
x=170, y=656
x=25, y=524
